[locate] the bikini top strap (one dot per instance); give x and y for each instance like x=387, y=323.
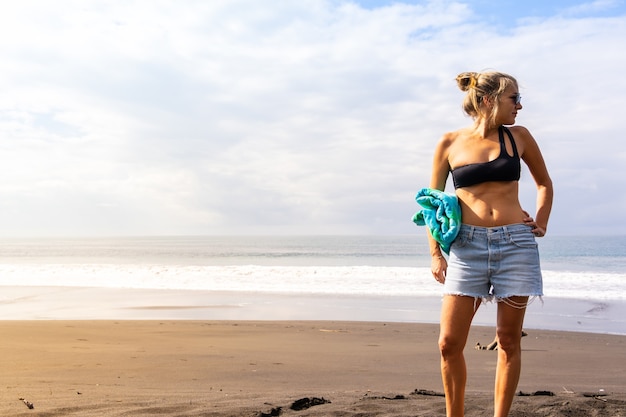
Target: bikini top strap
x=502, y=129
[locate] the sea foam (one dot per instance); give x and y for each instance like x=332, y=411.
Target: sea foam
x=339, y=280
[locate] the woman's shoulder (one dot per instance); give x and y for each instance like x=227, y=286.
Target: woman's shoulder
x=446, y=144
x=523, y=138
x=519, y=130
x=453, y=136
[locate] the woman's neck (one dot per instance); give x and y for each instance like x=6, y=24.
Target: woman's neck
x=483, y=128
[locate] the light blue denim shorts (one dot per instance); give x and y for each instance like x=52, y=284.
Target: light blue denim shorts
x=494, y=262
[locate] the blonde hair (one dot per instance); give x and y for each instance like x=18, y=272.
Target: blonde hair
x=480, y=85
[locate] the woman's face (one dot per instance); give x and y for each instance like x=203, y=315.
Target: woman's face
x=509, y=103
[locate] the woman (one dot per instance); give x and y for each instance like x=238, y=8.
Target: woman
x=494, y=256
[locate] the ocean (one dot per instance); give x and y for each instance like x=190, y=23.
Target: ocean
x=589, y=269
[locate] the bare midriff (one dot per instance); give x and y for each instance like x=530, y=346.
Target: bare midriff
x=490, y=204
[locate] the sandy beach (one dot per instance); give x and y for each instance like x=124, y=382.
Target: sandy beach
x=288, y=368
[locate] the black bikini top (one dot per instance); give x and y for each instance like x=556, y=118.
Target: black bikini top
x=504, y=168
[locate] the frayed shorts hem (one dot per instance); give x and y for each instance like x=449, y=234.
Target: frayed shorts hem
x=484, y=299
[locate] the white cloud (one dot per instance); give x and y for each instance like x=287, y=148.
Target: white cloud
x=591, y=7
x=277, y=117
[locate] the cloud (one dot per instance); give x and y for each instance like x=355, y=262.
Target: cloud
x=596, y=6
x=284, y=117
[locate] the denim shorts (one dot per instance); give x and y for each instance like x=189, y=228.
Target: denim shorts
x=494, y=262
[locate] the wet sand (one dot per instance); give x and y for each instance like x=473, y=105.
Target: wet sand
x=69, y=303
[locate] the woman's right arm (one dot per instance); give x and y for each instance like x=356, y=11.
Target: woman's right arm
x=439, y=176
x=537, y=166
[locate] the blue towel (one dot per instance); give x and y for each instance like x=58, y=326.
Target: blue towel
x=441, y=213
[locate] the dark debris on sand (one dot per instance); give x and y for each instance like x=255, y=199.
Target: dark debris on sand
x=428, y=392
x=304, y=403
x=274, y=412
x=536, y=394
x=298, y=405
x=385, y=397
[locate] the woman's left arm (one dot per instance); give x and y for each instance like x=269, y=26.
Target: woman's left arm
x=531, y=154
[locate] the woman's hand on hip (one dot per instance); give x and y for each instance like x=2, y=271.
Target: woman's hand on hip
x=536, y=229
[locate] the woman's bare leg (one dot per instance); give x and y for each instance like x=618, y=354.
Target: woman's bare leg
x=509, y=334
x=457, y=313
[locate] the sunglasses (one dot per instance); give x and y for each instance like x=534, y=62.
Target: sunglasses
x=517, y=98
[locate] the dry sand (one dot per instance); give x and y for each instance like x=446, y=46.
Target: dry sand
x=246, y=368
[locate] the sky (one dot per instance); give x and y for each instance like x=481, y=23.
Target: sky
x=248, y=117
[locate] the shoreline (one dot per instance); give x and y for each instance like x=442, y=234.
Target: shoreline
x=254, y=368
x=91, y=303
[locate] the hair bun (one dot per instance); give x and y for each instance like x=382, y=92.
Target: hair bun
x=467, y=80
